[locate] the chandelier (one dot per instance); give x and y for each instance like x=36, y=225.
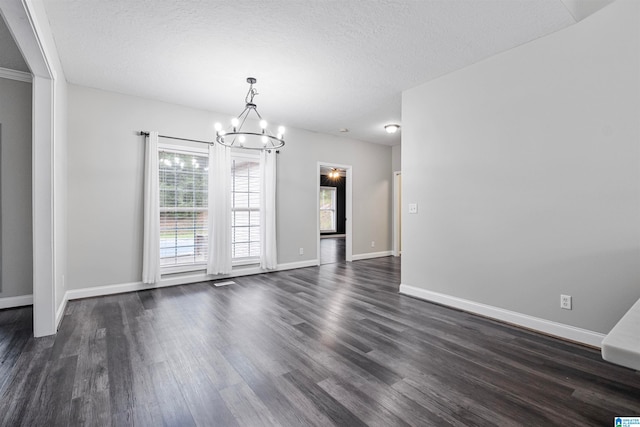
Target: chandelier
x=249, y=137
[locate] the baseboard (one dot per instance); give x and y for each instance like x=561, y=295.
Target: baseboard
x=60, y=311
x=12, y=302
x=369, y=255
x=560, y=330
x=174, y=280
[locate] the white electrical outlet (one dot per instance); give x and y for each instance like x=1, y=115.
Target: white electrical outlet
x=565, y=302
x=413, y=208
x=301, y=251
x=373, y=244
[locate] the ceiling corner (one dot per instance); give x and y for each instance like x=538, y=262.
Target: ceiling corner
x=581, y=9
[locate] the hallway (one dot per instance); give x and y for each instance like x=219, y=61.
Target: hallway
x=332, y=249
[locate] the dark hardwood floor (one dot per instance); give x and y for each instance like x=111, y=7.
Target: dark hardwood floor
x=332, y=249
x=330, y=345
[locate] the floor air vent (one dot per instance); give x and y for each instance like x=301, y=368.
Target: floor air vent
x=227, y=283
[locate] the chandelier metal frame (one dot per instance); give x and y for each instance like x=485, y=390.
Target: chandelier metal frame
x=236, y=137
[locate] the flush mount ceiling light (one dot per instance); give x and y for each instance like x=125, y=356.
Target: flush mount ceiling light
x=392, y=128
x=241, y=135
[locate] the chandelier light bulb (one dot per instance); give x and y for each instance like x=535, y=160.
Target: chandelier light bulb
x=263, y=124
x=280, y=131
x=235, y=122
x=265, y=140
x=218, y=127
x=222, y=132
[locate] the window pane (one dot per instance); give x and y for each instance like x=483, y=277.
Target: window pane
x=241, y=234
x=183, y=238
x=254, y=218
x=254, y=184
x=327, y=220
x=254, y=233
x=327, y=198
x=245, y=175
x=240, y=218
x=240, y=200
x=328, y=209
x=254, y=249
x=240, y=250
x=183, y=204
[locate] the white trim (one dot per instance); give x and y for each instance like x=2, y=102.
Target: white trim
x=20, y=76
x=12, y=302
x=369, y=255
x=237, y=262
x=176, y=280
x=183, y=149
x=60, y=311
x=22, y=20
x=185, y=268
x=397, y=212
x=622, y=344
x=549, y=327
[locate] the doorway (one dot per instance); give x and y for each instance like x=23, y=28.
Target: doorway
x=334, y=207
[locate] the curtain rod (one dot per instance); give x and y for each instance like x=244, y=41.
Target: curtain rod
x=186, y=139
x=179, y=139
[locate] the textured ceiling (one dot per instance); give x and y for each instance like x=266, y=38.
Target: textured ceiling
x=321, y=65
x=10, y=56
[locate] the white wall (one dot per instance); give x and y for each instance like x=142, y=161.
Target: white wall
x=15, y=182
x=526, y=171
x=105, y=182
x=396, y=158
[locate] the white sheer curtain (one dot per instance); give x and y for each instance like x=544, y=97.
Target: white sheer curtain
x=268, y=250
x=219, y=261
x=151, y=243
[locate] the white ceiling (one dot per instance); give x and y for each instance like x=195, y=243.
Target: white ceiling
x=321, y=65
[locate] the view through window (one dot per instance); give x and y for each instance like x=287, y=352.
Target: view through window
x=183, y=207
x=327, y=209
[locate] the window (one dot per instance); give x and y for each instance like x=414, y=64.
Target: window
x=328, y=209
x=245, y=208
x=183, y=208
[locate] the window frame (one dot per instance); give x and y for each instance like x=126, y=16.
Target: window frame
x=334, y=209
x=184, y=150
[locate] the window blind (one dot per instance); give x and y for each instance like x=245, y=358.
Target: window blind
x=245, y=202
x=183, y=208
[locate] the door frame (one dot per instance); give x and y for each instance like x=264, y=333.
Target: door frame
x=22, y=20
x=397, y=213
x=348, y=208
